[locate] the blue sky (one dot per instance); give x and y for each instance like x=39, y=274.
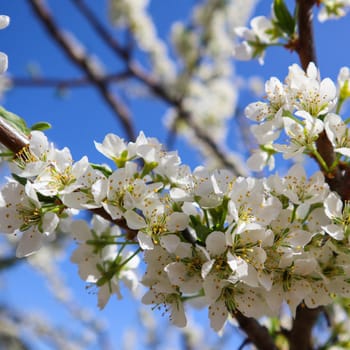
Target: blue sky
x=80, y=116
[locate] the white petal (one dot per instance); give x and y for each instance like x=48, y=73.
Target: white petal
x=134, y=220
x=49, y=222
x=145, y=241
x=218, y=315
x=177, y=222
x=216, y=243
x=30, y=243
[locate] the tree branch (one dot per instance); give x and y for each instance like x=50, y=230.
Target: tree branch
x=102, y=31
x=16, y=142
x=65, y=83
x=300, y=335
x=85, y=65
x=257, y=334
x=12, y=138
x=306, y=44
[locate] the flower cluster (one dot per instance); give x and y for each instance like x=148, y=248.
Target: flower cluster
x=227, y=243
x=4, y=22
x=304, y=106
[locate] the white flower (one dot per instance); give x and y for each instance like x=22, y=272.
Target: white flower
x=100, y=262
x=338, y=134
x=124, y=192
x=248, y=209
x=307, y=92
x=171, y=302
x=278, y=101
x=259, y=159
x=302, y=134
x=21, y=211
x=60, y=175
x=301, y=191
x=113, y=147
x=33, y=160
x=338, y=215
x=255, y=39
x=85, y=195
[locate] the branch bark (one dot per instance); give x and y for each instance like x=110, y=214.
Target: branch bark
x=300, y=335
x=257, y=334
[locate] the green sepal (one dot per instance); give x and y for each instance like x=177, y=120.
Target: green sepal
x=148, y=167
x=201, y=230
x=105, y=171
x=285, y=21
x=219, y=214
x=15, y=121
x=120, y=162
x=41, y=126
x=19, y=179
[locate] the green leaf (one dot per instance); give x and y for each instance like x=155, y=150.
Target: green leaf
x=285, y=21
x=41, y=126
x=15, y=121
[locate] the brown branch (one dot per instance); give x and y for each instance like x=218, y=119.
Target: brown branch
x=65, y=83
x=306, y=44
x=300, y=335
x=84, y=64
x=102, y=31
x=257, y=334
x=12, y=138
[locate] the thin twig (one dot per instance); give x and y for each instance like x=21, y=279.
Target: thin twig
x=65, y=83
x=84, y=64
x=102, y=31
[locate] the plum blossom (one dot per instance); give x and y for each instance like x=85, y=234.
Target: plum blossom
x=338, y=134
x=339, y=215
x=21, y=211
x=308, y=92
x=302, y=134
x=255, y=39
x=100, y=263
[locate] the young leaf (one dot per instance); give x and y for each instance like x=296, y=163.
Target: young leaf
x=16, y=121
x=285, y=21
x=41, y=126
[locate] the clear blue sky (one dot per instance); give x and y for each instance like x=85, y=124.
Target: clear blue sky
x=81, y=117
